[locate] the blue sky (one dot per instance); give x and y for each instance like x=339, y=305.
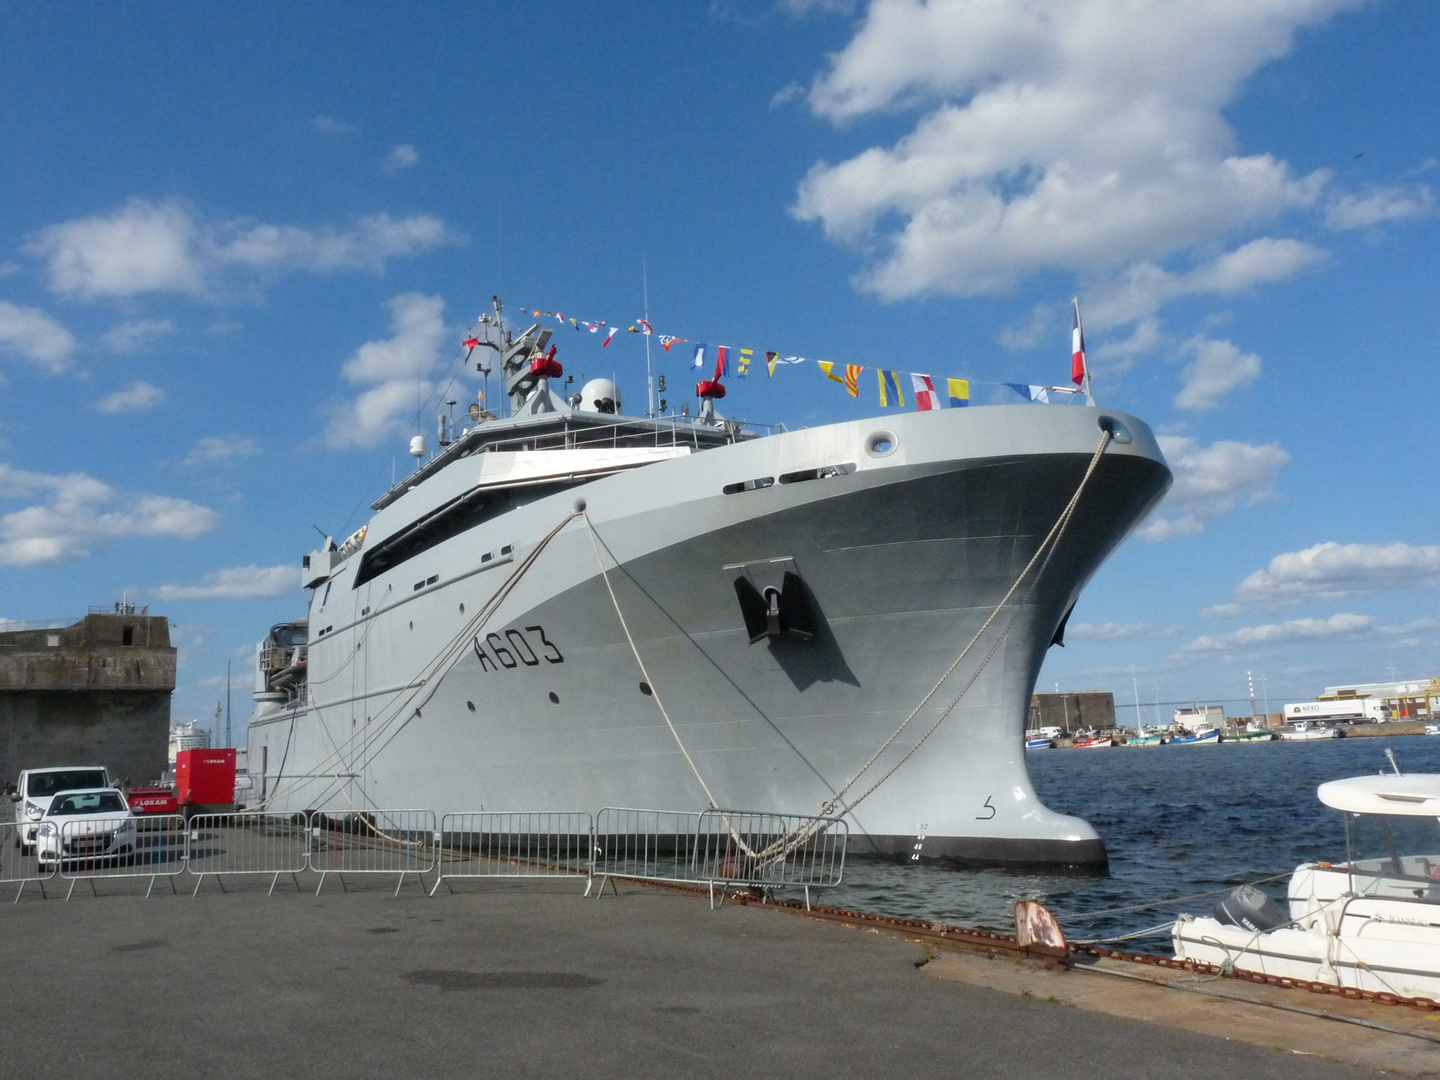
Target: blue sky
x=240, y=244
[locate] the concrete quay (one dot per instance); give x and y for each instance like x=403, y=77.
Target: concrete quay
x=531, y=979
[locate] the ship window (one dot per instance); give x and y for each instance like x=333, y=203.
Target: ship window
x=748, y=485
x=448, y=522
x=818, y=474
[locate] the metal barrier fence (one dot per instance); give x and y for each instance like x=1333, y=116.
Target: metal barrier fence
x=400, y=842
x=654, y=845
x=711, y=848
x=516, y=844
x=720, y=847
x=770, y=851
x=19, y=866
x=152, y=845
x=247, y=842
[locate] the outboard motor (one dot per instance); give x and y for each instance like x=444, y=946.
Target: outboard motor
x=1250, y=909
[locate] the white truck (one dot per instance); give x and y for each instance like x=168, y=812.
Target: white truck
x=37, y=787
x=1358, y=710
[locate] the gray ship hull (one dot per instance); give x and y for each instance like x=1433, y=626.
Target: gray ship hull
x=902, y=560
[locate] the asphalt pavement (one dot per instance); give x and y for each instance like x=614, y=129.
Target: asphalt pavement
x=530, y=980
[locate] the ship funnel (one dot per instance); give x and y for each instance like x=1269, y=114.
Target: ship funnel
x=417, y=447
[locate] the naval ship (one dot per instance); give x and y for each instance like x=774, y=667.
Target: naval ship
x=570, y=608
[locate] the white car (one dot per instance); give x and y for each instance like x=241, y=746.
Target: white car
x=86, y=825
x=38, y=786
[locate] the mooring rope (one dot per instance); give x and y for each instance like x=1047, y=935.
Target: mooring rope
x=427, y=680
x=640, y=662
x=783, y=846
x=1174, y=900
x=1047, y=549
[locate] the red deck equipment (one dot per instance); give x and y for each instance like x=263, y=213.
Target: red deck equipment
x=205, y=780
x=152, y=800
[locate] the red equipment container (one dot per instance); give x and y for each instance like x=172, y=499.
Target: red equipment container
x=152, y=800
x=205, y=780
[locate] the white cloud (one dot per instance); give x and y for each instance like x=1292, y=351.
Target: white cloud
x=1110, y=631
x=76, y=512
x=217, y=449
x=142, y=247
x=1079, y=135
x=367, y=245
x=1221, y=611
x=236, y=583
x=1218, y=368
x=400, y=158
x=1141, y=289
x=1341, y=626
x=132, y=337
x=146, y=247
x=34, y=335
x=1116, y=356
x=1041, y=322
x=1211, y=481
x=137, y=397
x=328, y=125
x=1332, y=570
x=396, y=368
x=1377, y=207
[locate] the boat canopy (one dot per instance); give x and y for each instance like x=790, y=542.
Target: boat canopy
x=1414, y=794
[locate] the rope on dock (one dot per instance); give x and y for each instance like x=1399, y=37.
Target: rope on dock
x=1172, y=900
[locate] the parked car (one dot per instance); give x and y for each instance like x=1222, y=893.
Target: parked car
x=90, y=824
x=37, y=787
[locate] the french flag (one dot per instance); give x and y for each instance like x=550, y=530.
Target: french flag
x=1077, y=350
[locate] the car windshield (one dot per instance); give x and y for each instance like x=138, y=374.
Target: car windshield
x=49, y=783
x=90, y=802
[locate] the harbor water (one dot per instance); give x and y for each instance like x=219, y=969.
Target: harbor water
x=1177, y=821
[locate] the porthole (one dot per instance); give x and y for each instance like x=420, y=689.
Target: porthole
x=880, y=443
x=462, y=609
x=470, y=705
x=412, y=626
x=554, y=698
x=645, y=689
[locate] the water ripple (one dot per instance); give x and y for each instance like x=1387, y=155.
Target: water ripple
x=1176, y=820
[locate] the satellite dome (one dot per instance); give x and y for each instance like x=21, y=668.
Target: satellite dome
x=600, y=396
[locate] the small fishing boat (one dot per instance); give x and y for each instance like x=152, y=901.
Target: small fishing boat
x=1371, y=922
x=1306, y=731
x=1093, y=741
x=1038, y=742
x=1250, y=733
x=1146, y=737
x=1209, y=737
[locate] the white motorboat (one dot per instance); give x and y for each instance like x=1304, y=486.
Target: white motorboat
x=1371, y=922
x=1306, y=730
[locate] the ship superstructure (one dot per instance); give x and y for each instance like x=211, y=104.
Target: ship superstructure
x=572, y=608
